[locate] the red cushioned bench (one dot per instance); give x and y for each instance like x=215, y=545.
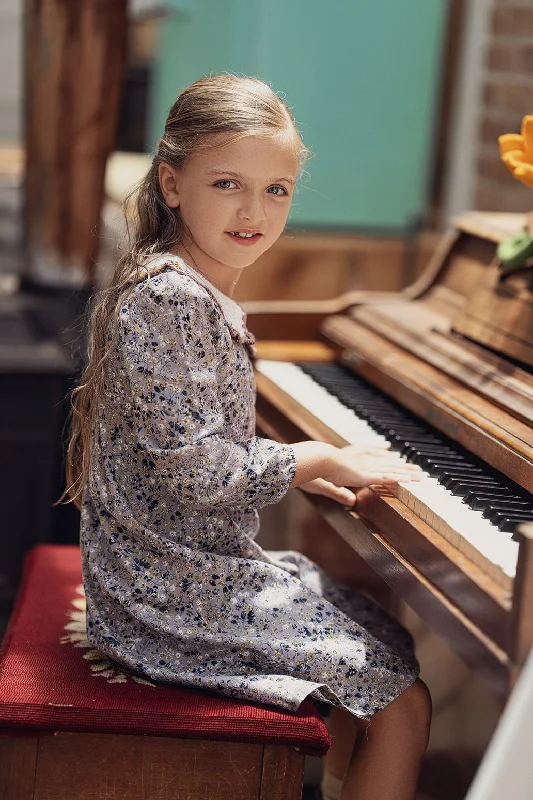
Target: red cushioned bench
x=74, y=726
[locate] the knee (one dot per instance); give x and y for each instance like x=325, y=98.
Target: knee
x=414, y=709
x=408, y=716
x=417, y=699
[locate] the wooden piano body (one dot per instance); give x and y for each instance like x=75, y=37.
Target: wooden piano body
x=430, y=349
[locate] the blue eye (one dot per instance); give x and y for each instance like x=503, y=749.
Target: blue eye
x=279, y=191
x=226, y=184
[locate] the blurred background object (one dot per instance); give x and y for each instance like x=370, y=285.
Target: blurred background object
x=362, y=79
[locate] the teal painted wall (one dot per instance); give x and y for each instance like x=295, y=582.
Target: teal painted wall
x=362, y=79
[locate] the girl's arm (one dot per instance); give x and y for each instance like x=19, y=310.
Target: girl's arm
x=172, y=346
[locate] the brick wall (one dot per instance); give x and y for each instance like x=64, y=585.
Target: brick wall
x=507, y=97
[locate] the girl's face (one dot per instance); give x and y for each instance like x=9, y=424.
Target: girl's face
x=233, y=199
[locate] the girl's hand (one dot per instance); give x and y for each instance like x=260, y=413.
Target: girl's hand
x=348, y=466
x=341, y=494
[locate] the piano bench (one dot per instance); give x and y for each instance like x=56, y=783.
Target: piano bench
x=75, y=725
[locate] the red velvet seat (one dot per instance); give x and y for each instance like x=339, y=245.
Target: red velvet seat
x=51, y=680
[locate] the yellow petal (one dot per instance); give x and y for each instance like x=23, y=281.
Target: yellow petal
x=527, y=137
x=513, y=159
x=524, y=173
x=510, y=141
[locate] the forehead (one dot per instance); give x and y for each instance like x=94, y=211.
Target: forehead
x=274, y=156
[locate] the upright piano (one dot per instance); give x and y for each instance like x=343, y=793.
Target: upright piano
x=442, y=372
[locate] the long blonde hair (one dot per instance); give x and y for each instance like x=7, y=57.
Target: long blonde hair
x=218, y=104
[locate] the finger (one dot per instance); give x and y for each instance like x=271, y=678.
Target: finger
x=381, y=462
x=339, y=493
x=391, y=476
x=399, y=477
x=409, y=469
x=365, y=450
x=347, y=497
x=378, y=452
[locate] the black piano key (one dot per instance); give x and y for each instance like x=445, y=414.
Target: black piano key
x=478, y=482
x=386, y=419
x=480, y=502
x=499, y=516
x=458, y=486
x=420, y=446
x=423, y=458
x=490, y=493
x=520, y=503
x=429, y=460
x=431, y=448
x=399, y=439
x=422, y=441
x=439, y=470
x=510, y=524
x=497, y=513
x=437, y=447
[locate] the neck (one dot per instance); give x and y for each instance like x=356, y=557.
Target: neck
x=223, y=277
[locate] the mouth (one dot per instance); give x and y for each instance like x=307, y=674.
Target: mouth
x=245, y=237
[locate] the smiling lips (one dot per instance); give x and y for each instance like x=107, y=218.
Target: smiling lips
x=245, y=237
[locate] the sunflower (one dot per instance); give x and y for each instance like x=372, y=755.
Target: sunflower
x=516, y=150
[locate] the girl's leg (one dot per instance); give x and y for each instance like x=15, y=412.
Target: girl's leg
x=388, y=750
x=342, y=727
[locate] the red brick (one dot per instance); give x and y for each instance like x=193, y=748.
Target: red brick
x=523, y=20
x=491, y=94
x=502, y=21
x=502, y=56
x=493, y=196
x=490, y=165
x=514, y=20
x=494, y=126
x=525, y=59
x=511, y=94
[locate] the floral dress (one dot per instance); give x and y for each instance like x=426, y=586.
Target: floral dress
x=177, y=588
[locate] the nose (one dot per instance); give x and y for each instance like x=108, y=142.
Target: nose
x=252, y=208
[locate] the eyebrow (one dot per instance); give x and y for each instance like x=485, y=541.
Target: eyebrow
x=239, y=175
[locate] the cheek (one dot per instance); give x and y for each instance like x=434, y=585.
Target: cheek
x=280, y=216
x=199, y=216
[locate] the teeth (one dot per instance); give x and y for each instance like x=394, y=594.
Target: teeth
x=243, y=235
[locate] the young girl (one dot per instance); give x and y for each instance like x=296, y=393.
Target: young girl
x=170, y=475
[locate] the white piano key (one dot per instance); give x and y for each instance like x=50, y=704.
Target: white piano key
x=471, y=533
x=324, y=406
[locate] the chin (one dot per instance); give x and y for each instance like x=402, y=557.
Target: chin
x=246, y=260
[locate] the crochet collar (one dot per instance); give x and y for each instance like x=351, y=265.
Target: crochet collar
x=232, y=312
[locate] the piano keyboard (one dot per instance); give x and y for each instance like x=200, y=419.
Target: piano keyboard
x=475, y=508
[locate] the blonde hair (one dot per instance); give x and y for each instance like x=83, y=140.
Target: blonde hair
x=215, y=105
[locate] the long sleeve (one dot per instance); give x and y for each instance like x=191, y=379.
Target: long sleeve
x=192, y=399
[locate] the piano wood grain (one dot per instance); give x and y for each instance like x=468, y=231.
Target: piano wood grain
x=426, y=334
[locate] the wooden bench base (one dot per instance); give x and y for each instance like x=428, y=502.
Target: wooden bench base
x=96, y=766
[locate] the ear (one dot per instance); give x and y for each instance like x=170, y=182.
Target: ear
x=169, y=184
